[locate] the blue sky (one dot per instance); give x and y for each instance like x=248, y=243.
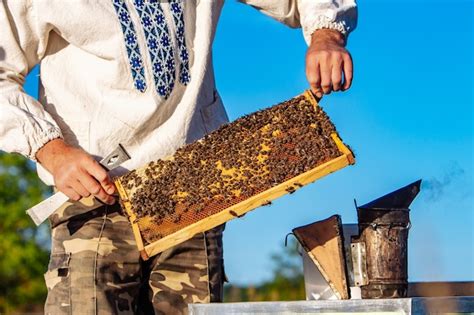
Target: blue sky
x=409, y=115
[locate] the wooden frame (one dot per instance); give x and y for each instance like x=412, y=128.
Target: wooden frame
x=346, y=158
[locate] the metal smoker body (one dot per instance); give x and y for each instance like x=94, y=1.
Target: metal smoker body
x=383, y=231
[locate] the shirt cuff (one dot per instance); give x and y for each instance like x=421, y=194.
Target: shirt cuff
x=41, y=139
x=324, y=22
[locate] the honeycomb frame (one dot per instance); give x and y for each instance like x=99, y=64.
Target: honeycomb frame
x=262, y=198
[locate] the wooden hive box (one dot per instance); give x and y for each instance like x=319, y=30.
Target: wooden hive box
x=237, y=168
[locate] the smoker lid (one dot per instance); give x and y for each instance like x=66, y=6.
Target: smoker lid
x=398, y=199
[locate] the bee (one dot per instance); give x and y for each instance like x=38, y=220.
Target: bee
x=290, y=189
x=177, y=219
x=233, y=213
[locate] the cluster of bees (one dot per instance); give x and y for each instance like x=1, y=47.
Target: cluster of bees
x=239, y=160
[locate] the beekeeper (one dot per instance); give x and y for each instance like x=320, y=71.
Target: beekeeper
x=139, y=73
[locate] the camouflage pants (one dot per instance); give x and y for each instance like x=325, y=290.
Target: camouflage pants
x=95, y=267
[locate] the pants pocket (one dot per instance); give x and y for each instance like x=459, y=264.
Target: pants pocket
x=57, y=280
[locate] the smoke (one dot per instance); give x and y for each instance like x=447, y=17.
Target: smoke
x=435, y=188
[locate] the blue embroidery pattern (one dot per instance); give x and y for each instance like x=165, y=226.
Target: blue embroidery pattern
x=178, y=16
x=133, y=51
x=159, y=45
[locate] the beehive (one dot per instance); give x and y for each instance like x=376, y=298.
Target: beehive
x=239, y=167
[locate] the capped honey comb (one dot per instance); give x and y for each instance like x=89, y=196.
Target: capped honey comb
x=239, y=167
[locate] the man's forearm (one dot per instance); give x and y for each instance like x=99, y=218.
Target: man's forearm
x=326, y=34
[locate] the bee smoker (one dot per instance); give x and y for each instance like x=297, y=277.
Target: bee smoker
x=381, y=246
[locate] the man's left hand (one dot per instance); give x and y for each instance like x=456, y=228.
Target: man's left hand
x=328, y=63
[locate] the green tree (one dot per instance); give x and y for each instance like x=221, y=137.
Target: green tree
x=287, y=283
x=23, y=247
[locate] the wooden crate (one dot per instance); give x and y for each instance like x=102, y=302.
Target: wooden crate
x=155, y=232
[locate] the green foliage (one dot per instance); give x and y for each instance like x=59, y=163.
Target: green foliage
x=287, y=283
x=23, y=252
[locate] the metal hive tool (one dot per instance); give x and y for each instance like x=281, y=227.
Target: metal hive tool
x=237, y=168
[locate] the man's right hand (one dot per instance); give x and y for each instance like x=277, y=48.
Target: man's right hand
x=75, y=172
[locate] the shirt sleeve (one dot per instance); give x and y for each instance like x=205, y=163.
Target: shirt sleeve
x=311, y=15
x=25, y=126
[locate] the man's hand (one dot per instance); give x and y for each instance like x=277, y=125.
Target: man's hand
x=327, y=62
x=75, y=172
